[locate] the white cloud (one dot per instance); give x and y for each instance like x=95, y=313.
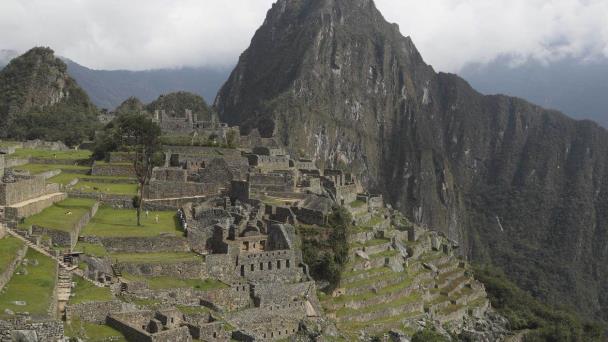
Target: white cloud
x=452, y=33
x=141, y=34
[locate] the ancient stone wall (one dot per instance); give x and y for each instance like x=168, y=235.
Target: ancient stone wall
x=310, y=216
x=67, y=238
x=113, y=170
x=121, y=157
x=95, y=312
x=166, y=243
x=24, y=189
x=269, y=266
x=182, y=270
x=269, y=163
x=170, y=174
x=132, y=325
x=33, y=208
x=21, y=327
x=160, y=189
x=240, y=190
x=16, y=162
x=276, y=182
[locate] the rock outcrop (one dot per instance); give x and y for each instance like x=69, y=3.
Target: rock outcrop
x=515, y=184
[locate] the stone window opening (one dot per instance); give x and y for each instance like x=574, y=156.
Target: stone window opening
x=252, y=267
x=278, y=264
x=270, y=265
x=261, y=266
x=287, y=263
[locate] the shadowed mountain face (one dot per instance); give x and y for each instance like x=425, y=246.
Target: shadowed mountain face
x=574, y=87
x=39, y=100
x=517, y=185
x=108, y=89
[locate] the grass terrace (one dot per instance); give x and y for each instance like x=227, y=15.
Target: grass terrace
x=96, y=250
x=69, y=155
x=8, y=251
x=160, y=258
x=110, y=222
x=92, y=332
x=35, y=169
x=56, y=216
x=161, y=283
x=66, y=177
x=86, y=292
x=34, y=288
x=357, y=204
x=107, y=188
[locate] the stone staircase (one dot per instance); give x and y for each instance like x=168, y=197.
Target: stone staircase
x=62, y=265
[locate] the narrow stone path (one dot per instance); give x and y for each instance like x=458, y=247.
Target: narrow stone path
x=62, y=265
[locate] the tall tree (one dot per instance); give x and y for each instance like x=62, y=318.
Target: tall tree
x=139, y=135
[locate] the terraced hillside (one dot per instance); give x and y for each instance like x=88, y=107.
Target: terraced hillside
x=398, y=279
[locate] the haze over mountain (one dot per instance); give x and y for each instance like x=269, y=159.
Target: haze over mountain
x=569, y=85
x=519, y=186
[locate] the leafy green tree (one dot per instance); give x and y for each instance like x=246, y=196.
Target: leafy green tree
x=138, y=134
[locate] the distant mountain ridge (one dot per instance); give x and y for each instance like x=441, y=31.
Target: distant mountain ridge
x=108, y=89
x=569, y=85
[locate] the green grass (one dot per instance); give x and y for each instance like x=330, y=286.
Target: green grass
x=55, y=217
x=107, y=188
x=8, y=251
x=86, y=292
x=161, y=283
x=357, y=204
x=35, y=288
x=91, y=249
x=92, y=332
x=35, y=169
x=8, y=143
x=163, y=258
x=66, y=177
x=62, y=155
x=381, y=306
x=123, y=223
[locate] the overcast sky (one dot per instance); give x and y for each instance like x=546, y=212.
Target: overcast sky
x=143, y=34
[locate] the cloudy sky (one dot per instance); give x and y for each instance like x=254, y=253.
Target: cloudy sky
x=143, y=34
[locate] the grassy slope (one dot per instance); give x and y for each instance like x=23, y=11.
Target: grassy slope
x=87, y=292
x=123, y=223
x=35, y=288
x=8, y=250
x=62, y=155
x=55, y=216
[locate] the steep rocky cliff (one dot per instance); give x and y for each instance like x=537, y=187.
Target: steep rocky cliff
x=517, y=185
x=38, y=99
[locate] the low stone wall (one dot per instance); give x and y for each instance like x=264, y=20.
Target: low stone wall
x=52, y=161
x=166, y=189
x=50, y=174
x=17, y=328
x=146, y=244
x=24, y=189
x=15, y=162
x=114, y=170
x=181, y=334
x=65, y=238
x=182, y=270
x=171, y=204
x=96, y=312
x=6, y=276
x=33, y=208
x=114, y=201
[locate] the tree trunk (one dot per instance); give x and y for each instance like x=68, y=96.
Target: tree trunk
x=140, y=201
